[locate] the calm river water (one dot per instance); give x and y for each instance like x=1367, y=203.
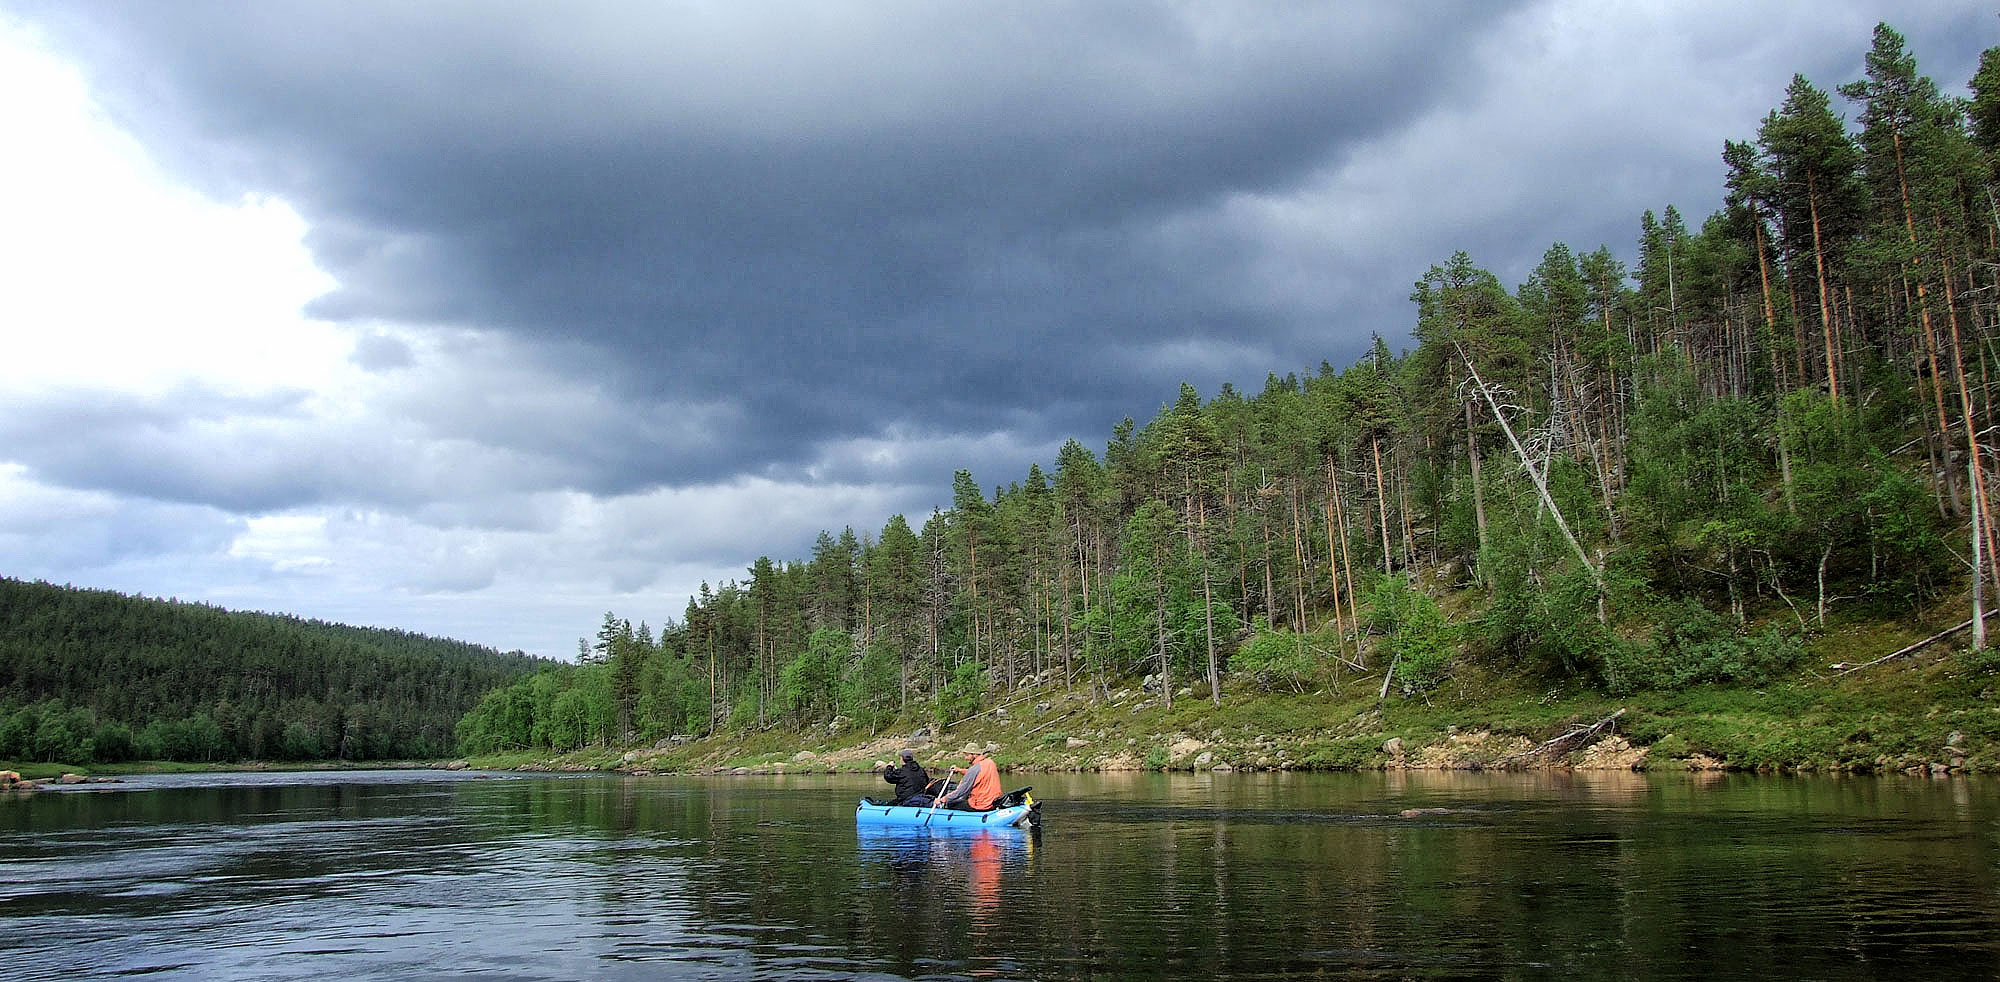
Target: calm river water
x=412, y=875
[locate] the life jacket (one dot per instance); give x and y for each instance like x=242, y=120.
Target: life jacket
x=985, y=780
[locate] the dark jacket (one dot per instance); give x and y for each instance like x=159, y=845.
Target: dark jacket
x=909, y=779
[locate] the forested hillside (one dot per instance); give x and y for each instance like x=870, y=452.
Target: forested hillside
x=1653, y=475
x=91, y=676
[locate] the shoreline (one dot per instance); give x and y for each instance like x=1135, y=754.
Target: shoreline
x=1934, y=714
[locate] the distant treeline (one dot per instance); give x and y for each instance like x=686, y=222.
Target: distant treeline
x=93, y=676
x=1622, y=477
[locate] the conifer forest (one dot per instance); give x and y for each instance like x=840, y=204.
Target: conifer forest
x=1649, y=475
x=91, y=676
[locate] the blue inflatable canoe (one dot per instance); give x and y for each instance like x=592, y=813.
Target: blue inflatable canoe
x=1017, y=810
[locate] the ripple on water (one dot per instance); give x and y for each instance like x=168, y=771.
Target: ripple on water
x=691, y=879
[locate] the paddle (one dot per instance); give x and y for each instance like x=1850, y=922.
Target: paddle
x=949, y=771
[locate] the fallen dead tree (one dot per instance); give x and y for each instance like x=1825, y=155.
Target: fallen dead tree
x=1563, y=745
x=1909, y=649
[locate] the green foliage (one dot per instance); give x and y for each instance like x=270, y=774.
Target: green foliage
x=569, y=720
x=868, y=690
x=1542, y=608
x=299, y=742
x=1670, y=747
x=1142, y=622
x=808, y=687
x=1697, y=646
x=1696, y=508
x=1421, y=640
x=745, y=708
x=1425, y=645
x=1274, y=661
x=52, y=731
x=196, y=738
x=118, y=678
x=1862, y=523
x=1351, y=753
x=561, y=708
x=672, y=700
x=963, y=695
x=113, y=741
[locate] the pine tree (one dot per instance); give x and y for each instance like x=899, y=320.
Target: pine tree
x=1812, y=164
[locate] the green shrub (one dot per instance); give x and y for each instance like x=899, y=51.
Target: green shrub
x=1671, y=747
x=113, y=742
x=744, y=709
x=808, y=686
x=1421, y=640
x=1352, y=753
x=301, y=742
x=1275, y=660
x=1634, y=666
x=963, y=693
x=1425, y=646
x=870, y=688
x=17, y=733
x=1696, y=646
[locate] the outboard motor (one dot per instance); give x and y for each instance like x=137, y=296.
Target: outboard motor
x=1019, y=796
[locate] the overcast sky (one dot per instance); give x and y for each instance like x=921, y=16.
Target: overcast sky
x=481, y=319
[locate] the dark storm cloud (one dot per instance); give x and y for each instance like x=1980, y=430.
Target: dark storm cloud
x=828, y=218
x=483, y=432
x=192, y=446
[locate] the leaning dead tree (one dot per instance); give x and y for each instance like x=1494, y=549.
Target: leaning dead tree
x=1535, y=473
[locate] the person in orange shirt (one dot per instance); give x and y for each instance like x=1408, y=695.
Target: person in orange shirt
x=981, y=787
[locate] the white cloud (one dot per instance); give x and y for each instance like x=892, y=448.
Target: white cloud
x=286, y=542
x=114, y=275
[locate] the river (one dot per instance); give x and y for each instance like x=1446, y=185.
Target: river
x=423, y=874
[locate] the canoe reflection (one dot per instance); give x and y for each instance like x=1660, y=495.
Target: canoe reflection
x=977, y=860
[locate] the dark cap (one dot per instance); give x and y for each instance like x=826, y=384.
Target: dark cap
x=909, y=755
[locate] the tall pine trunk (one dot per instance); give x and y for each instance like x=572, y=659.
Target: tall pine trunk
x=1381, y=501
x=1825, y=303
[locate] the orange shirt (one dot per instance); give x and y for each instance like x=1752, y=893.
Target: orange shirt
x=985, y=781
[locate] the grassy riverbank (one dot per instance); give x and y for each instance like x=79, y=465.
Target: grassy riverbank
x=1936, y=711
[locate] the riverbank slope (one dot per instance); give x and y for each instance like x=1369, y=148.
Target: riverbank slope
x=1934, y=711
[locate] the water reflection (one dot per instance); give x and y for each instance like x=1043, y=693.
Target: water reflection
x=973, y=860
x=1135, y=876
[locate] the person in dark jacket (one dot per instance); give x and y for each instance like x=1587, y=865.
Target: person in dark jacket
x=909, y=779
